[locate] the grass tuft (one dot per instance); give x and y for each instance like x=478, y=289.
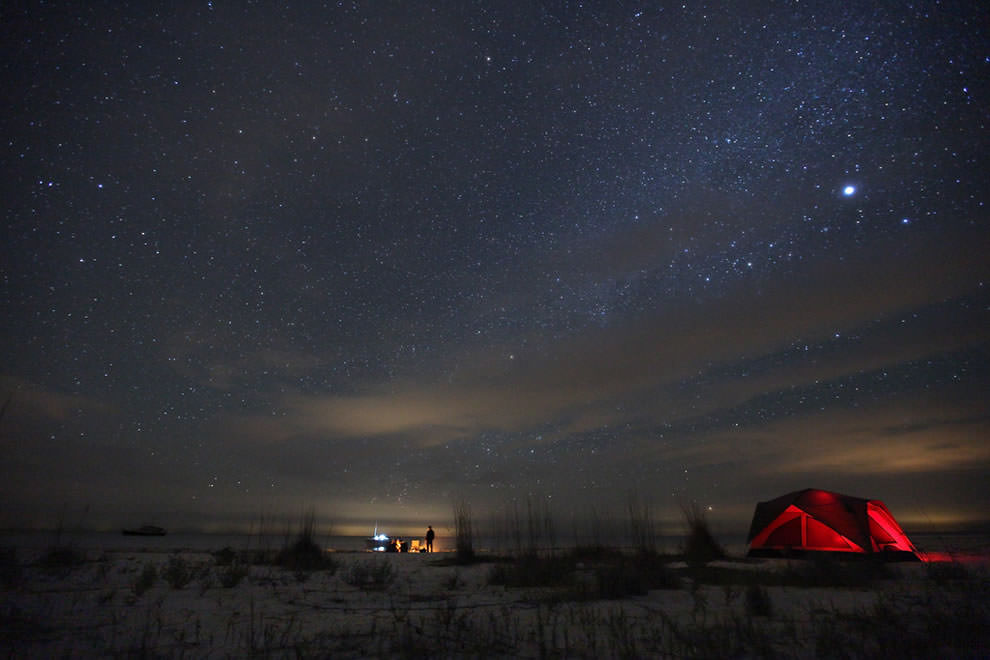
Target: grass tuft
x=643, y=527
x=825, y=570
x=11, y=572
x=62, y=558
x=758, y=601
x=700, y=546
x=531, y=570
x=177, y=572
x=375, y=575
x=303, y=553
x=943, y=572
x=231, y=574
x=146, y=579
x=463, y=533
x=636, y=575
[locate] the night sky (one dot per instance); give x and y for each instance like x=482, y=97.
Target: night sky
x=369, y=259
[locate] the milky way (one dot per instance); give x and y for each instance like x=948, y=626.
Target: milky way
x=373, y=258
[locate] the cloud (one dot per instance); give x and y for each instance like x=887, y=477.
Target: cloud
x=208, y=358
x=436, y=412
x=856, y=442
x=640, y=368
x=36, y=402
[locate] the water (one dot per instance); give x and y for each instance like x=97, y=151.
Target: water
x=39, y=541
x=952, y=542
x=194, y=541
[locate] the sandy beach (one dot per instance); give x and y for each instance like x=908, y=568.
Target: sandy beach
x=149, y=603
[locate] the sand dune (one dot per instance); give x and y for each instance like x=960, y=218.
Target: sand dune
x=196, y=604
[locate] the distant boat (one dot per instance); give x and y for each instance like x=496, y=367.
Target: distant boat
x=146, y=530
x=377, y=542
x=382, y=543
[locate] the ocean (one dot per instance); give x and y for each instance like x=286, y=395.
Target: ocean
x=38, y=541
x=171, y=542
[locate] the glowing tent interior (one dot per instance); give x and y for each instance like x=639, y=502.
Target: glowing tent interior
x=813, y=520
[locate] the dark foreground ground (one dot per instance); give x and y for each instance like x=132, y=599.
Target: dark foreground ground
x=573, y=605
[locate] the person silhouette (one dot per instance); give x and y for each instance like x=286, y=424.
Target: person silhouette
x=430, y=535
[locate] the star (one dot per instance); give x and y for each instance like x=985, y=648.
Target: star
x=320, y=252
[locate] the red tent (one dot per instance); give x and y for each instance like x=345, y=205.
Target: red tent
x=815, y=520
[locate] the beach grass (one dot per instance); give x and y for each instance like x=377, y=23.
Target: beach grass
x=464, y=532
x=532, y=599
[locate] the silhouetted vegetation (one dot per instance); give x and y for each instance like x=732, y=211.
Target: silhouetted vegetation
x=532, y=570
x=301, y=552
x=374, y=574
x=758, y=601
x=146, y=579
x=177, y=572
x=537, y=600
x=643, y=528
x=230, y=575
x=700, y=546
x=225, y=556
x=463, y=532
x=62, y=558
x=11, y=571
x=632, y=575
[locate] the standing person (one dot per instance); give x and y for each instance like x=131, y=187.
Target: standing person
x=429, y=538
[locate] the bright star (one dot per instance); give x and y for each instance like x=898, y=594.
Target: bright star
x=849, y=191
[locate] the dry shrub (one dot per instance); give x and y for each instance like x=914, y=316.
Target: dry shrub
x=11, y=573
x=700, y=546
x=146, y=579
x=374, y=574
x=303, y=553
x=177, y=572
x=643, y=528
x=758, y=601
x=463, y=532
x=532, y=570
